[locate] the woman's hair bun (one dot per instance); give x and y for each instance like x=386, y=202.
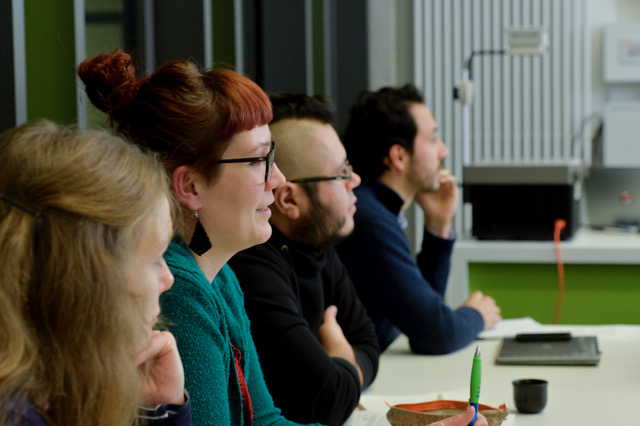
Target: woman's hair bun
x=110, y=81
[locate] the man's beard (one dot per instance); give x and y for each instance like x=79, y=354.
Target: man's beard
x=321, y=227
x=423, y=184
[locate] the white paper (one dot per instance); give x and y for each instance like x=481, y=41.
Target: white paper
x=511, y=327
x=367, y=418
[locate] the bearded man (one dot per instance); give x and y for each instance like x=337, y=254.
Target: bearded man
x=392, y=140
x=317, y=346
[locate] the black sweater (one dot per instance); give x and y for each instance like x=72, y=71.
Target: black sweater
x=287, y=289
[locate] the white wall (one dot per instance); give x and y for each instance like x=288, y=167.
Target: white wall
x=390, y=27
x=603, y=13
x=391, y=45
x=618, y=103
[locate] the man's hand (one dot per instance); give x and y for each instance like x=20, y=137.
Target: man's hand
x=161, y=372
x=333, y=341
x=462, y=419
x=487, y=307
x=440, y=206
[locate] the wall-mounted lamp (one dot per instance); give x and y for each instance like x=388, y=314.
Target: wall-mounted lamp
x=521, y=41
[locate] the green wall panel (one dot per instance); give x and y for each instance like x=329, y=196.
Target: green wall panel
x=223, y=32
x=594, y=294
x=318, y=48
x=50, y=54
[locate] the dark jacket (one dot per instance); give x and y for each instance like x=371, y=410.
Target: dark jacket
x=287, y=289
x=162, y=415
x=402, y=294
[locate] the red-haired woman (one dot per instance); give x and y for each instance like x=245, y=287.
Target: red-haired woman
x=210, y=130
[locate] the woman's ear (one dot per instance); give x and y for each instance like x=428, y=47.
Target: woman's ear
x=185, y=188
x=398, y=157
x=287, y=200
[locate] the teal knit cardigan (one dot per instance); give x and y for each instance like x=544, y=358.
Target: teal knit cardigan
x=206, y=319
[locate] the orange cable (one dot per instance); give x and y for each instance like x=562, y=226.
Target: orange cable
x=560, y=224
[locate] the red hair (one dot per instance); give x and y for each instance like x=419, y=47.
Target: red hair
x=185, y=116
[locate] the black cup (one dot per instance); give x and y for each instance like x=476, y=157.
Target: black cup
x=530, y=395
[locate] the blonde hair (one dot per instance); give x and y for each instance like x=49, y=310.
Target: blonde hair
x=68, y=330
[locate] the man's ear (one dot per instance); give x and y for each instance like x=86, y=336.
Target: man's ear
x=183, y=182
x=287, y=200
x=398, y=157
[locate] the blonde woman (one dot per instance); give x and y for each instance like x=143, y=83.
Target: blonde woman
x=84, y=221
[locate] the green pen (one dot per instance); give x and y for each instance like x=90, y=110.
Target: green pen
x=474, y=391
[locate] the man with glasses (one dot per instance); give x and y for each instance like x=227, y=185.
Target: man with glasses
x=317, y=347
x=392, y=139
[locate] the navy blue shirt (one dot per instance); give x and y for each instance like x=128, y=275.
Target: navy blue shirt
x=402, y=294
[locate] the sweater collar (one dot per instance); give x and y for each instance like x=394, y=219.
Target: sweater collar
x=387, y=196
x=314, y=256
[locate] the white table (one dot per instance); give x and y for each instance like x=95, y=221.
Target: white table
x=601, y=395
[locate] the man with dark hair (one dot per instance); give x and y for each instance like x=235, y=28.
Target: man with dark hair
x=392, y=140
x=317, y=346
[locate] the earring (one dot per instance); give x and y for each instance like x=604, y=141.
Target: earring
x=200, y=243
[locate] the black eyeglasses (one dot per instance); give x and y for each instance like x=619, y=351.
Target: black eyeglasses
x=348, y=172
x=270, y=158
